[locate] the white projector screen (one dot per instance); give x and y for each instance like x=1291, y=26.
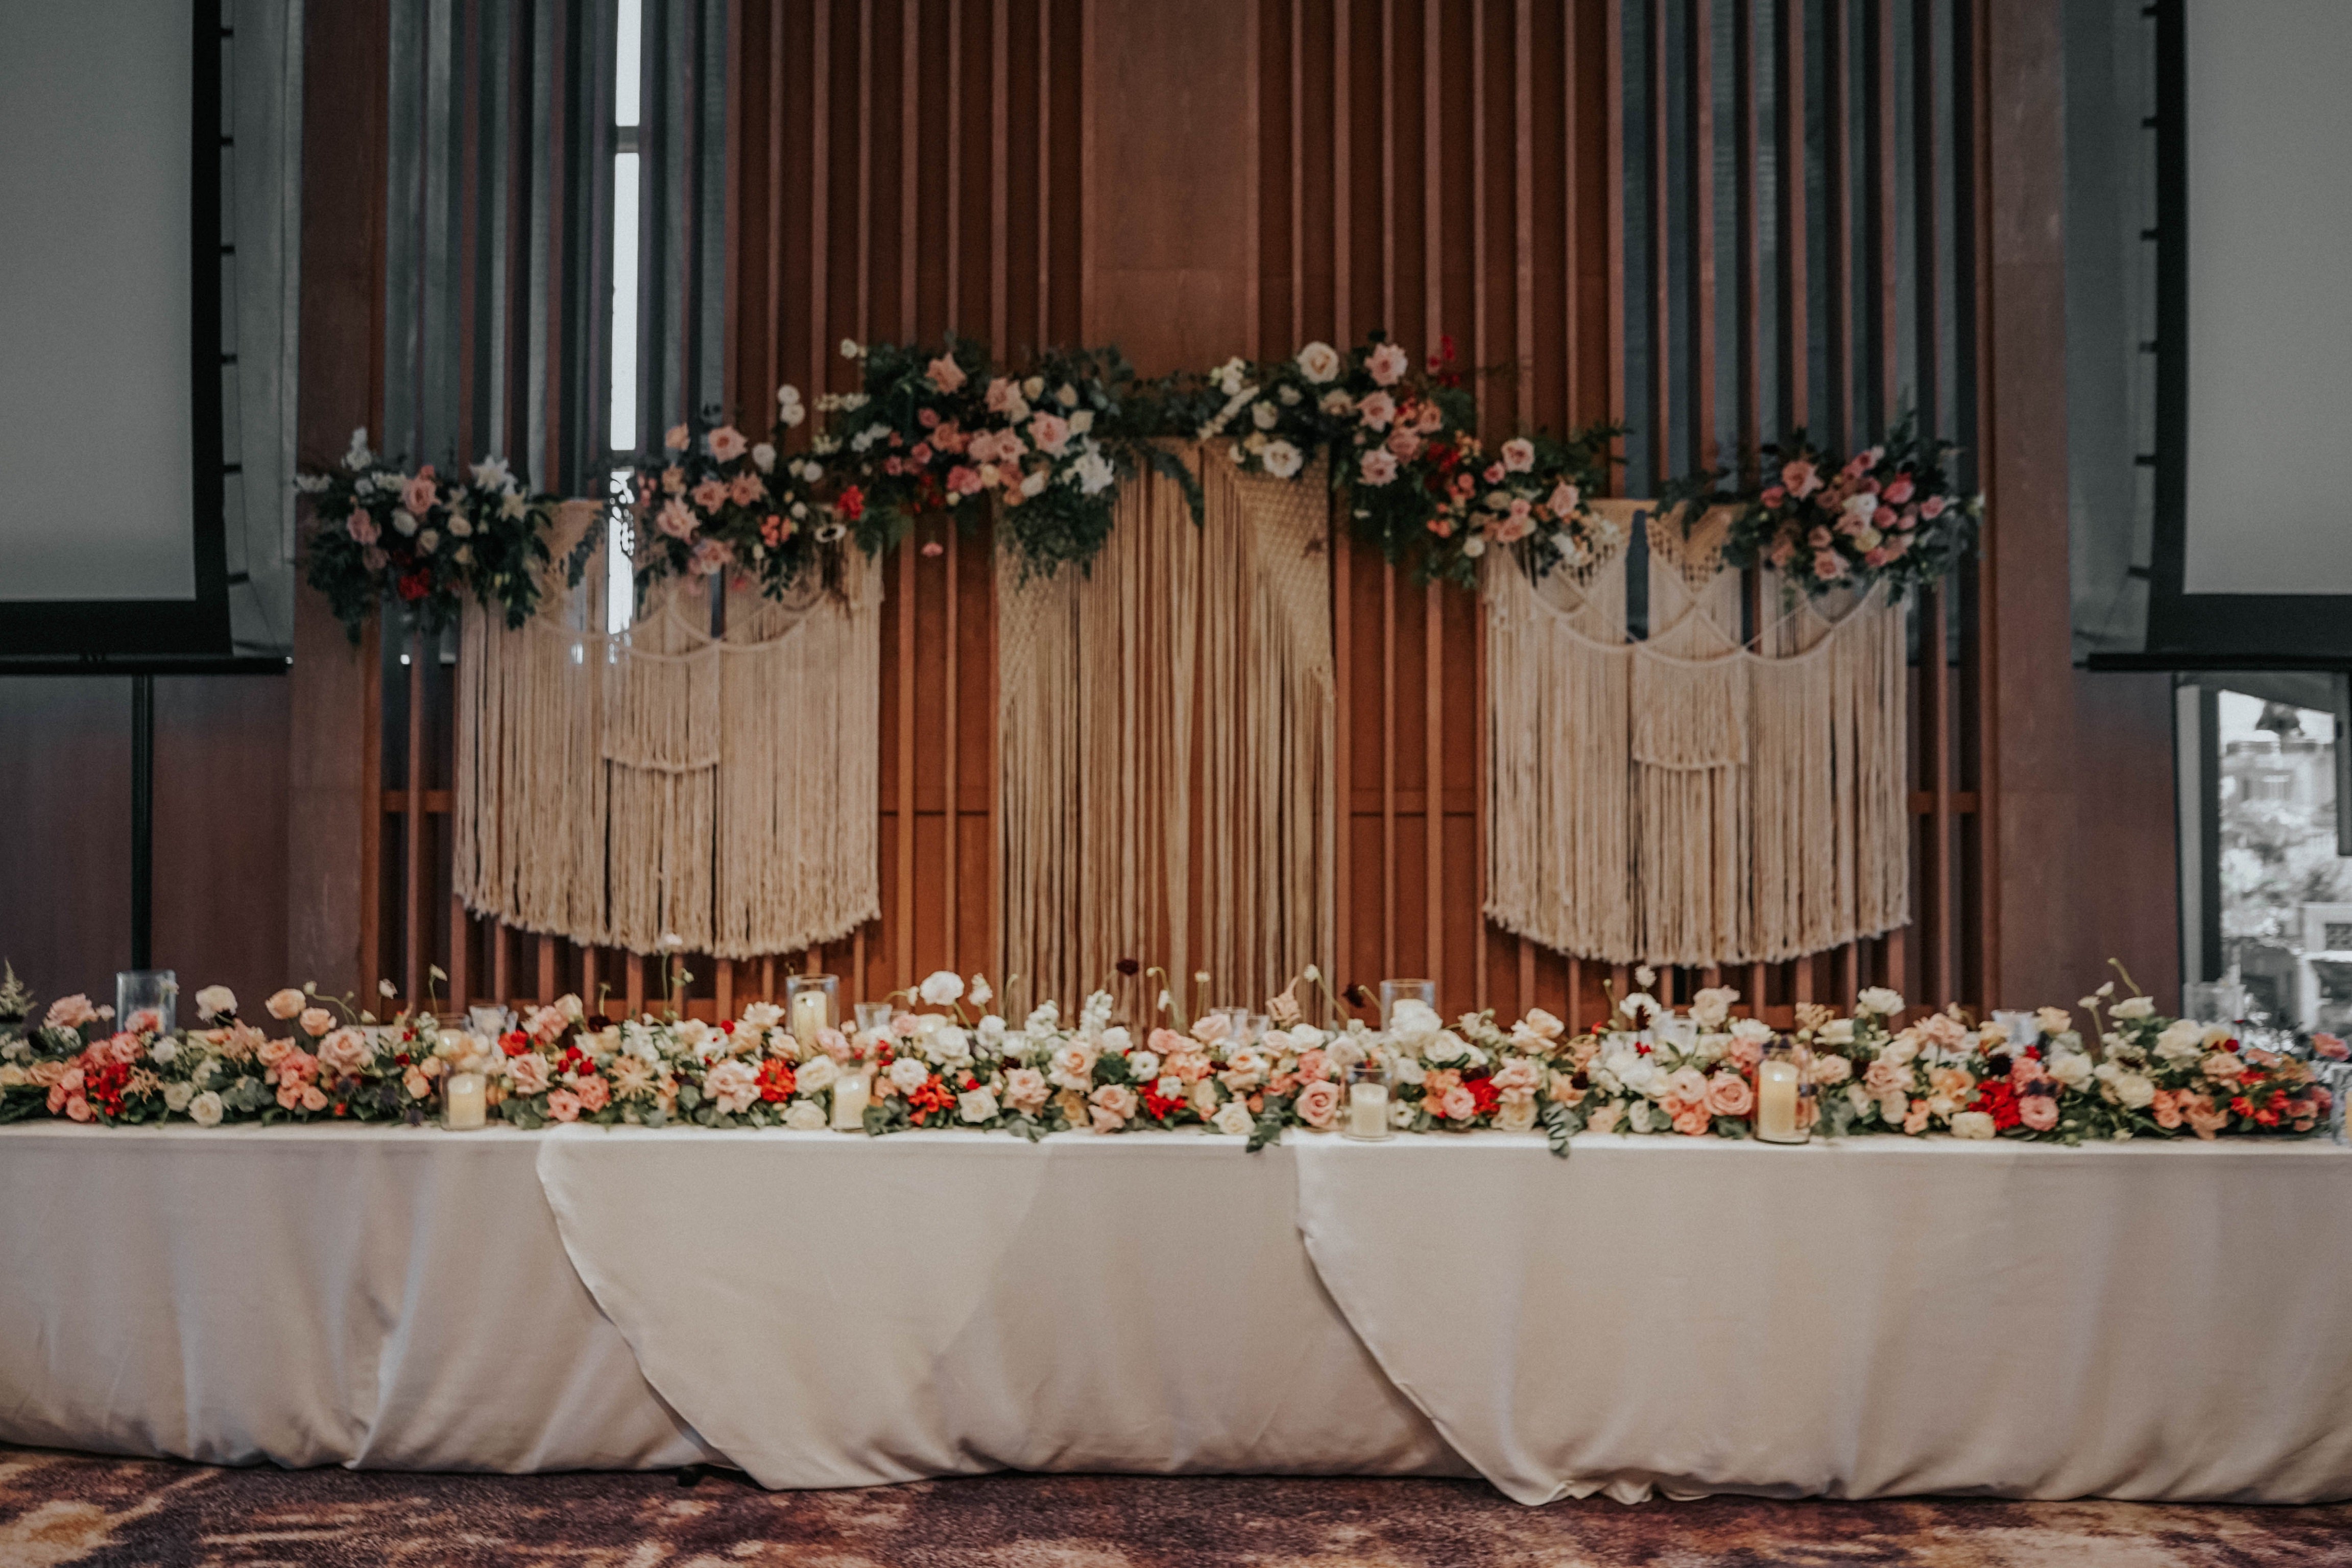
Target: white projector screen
x=98, y=417
x=2269, y=265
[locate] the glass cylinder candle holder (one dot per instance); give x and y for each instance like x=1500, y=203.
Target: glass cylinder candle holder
x=465, y=1102
x=812, y=1002
x=2021, y=1028
x=146, y=1000
x=873, y=1016
x=1260, y=1026
x=852, y=1092
x=1395, y=991
x=1679, y=1030
x=1780, y=1092
x=1365, y=1117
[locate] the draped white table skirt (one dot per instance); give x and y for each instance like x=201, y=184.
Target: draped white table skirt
x=1872, y=1318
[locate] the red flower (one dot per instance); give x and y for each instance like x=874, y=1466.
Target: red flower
x=775, y=1076
x=413, y=585
x=1483, y=1091
x=852, y=504
x=1998, y=1099
x=515, y=1042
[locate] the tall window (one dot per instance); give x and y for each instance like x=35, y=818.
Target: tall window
x=620, y=543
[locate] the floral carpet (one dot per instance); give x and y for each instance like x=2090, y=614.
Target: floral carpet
x=58, y=1509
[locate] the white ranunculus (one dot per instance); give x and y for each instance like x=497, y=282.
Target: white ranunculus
x=2135, y=1008
x=980, y=992
x=1282, y=459
x=977, y=1104
x=1233, y=1119
x=205, y=1110
x=1880, y=1001
x=816, y=1074
x=215, y=1000
x=942, y=987
x=1142, y=1065
x=164, y=1051
x=948, y=1045
x=1412, y=1021
x=1752, y=1032
x=1319, y=362
x=177, y=1095
x=1972, y=1124
x=763, y=1015
x=910, y=1074
x=805, y=1115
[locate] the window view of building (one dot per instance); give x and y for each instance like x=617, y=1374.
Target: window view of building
x=2286, y=893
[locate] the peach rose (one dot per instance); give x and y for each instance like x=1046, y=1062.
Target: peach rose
x=1563, y=1089
x=530, y=1074
x=70, y=1012
x=1110, y=1106
x=283, y=1005
x=1024, y=1090
x=2202, y=1118
x=1314, y=1066
x=79, y=1109
x=1686, y=1087
x=416, y=1084
x=1318, y=1104
x=2165, y=1109
x=726, y=443
x=593, y=1093
x=270, y=1052
x=1727, y=1095
x=1460, y=1104
x=1954, y=1083
x=418, y=496
x=1915, y=1121
x=347, y=1052
x=1603, y=1118
x=316, y=1021
x=1517, y=1075
x=1693, y=1122
x=562, y=1105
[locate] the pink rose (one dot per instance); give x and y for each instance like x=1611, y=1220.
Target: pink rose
x=1377, y=411
x=1915, y=1121
x=562, y=1105
x=270, y=1052
x=709, y=494
x=1828, y=565
x=347, y=1052
x=674, y=519
x=1727, y=1095
x=417, y=495
x=1932, y=508
x=744, y=489
x=2039, y=1112
x=1800, y=478
x=1686, y=1086
x=78, y=1108
x=726, y=443
x=1883, y=1078
x=1459, y=1104
x=731, y=1085
x=1318, y=1104
x=73, y=1011
x=945, y=374
x=1404, y=444
x=1314, y=1066
x=1051, y=433
x=529, y=1073
x=1388, y=364
x=1899, y=490
x=1024, y=1090
x=965, y=480
x=363, y=528
x=1378, y=466
x=2165, y=1109
x=1517, y=1075
x=1518, y=455
x=1775, y=496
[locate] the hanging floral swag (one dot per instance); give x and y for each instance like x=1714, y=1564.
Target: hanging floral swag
x=1888, y=514
x=423, y=542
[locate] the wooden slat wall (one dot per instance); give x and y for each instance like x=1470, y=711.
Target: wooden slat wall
x=1585, y=195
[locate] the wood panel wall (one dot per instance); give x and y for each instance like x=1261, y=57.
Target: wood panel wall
x=1203, y=177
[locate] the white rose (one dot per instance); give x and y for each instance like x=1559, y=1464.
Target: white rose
x=1082, y=421
x=977, y=1104
x=215, y=1000
x=205, y=1110
x=1319, y=362
x=816, y=1074
x=2135, y=1008
x=177, y=1095
x=1408, y=1071
x=762, y=1015
x=164, y=1051
x=763, y=457
x=1712, y=1006
x=1445, y=1046
x=948, y=1045
x=1972, y=1124
x=908, y=1074
x=1117, y=1040
x=1412, y=1021
x=1234, y=1120
x=2071, y=1068
x=941, y=988
x=1263, y=415
x=1753, y=1031
x=806, y=1115
x=1282, y=459
x=1879, y=999
x=2182, y=1041
x=1838, y=1031
x=979, y=993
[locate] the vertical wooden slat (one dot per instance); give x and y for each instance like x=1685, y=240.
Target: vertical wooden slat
x=501, y=982
x=1433, y=773
x=1977, y=126
x=865, y=170
x=1045, y=172
x=774, y=372
x=636, y=983
x=951, y=856
x=461, y=976
x=589, y=975
x=903, y=935
x=1388, y=771
x=1298, y=176
x=999, y=160
x=414, y=956
x=1661, y=406
x=547, y=988
x=1839, y=90
x=724, y=985
x=1890, y=386
x=1701, y=89
x=1935, y=723
x=820, y=344
x=1433, y=642
x=954, y=320
x=1750, y=259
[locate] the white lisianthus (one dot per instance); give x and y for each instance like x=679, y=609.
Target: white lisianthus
x=1407, y=1069
x=1319, y=362
x=1751, y=1031
x=1880, y=1001
x=2130, y=1090
x=215, y=1000
x=1712, y=1006
x=1117, y=1040
x=1443, y=1046
x=1233, y=1119
x=1637, y=1117
x=205, y=1110
x=941, y=988
x=1972, y=1124
x=991, y=1030
x=948, y=1045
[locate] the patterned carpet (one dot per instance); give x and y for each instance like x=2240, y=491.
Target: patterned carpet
x=60, y=1509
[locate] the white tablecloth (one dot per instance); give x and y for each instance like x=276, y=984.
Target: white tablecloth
x=1876, y=1317
x=387, y=1298
x=838, y=1312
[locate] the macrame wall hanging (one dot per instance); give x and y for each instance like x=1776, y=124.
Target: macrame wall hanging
x=617, y=790
x=1166, y=726
x=1694, y=798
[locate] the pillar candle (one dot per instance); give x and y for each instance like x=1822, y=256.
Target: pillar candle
x=1776, y=1101
x=465, y=1102
x=808, y=1016
x=850, y=1095
x=1367, y=1110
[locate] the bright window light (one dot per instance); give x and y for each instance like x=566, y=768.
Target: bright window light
x=625, y=303
x=625, y=58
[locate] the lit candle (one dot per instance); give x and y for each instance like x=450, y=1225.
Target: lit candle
x=1368, y=1111
x=465, y=1102
x=1776, y=1101
x=808, y=1017
x=850, y=1095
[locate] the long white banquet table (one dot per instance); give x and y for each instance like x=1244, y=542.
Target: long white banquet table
x=1682, y=1316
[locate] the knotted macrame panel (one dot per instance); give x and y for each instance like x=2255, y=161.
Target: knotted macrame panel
x=1696, y=797
x=1166, y=725
x=671, y=780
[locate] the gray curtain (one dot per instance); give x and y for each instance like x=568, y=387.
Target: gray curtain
x=261, y=195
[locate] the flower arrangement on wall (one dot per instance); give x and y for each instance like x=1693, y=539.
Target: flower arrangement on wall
x=944, y=1060
x=424, y=540
x=1888, y=514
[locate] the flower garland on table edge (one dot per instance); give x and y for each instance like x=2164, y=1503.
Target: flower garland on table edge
x=423, y=542
x=1888, y=514
x=942, y=1062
